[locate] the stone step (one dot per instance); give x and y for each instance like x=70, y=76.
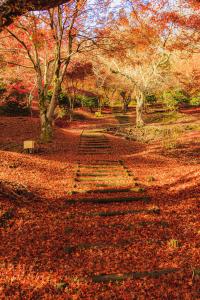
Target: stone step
x=93, y=147
x=109, y=185
x=110, y=200
x=102, y=164
x=109, y=191
x=94, y=141
x=90, y=179
x=123, y=212
x=100, y=161
x=92, y=138
x=105, y=278
x=94, y=153
x=79, y=174
x=96, y=169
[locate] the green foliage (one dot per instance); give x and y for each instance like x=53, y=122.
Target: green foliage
x=88, y=101
x=171, y=137
x=173, y=98
x=169, y=101
x=195, y=100
x=63, y=99
x=151, y=99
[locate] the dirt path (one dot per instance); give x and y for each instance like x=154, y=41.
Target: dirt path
x=128, y=228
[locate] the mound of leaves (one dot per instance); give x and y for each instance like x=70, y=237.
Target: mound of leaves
x=15, y=191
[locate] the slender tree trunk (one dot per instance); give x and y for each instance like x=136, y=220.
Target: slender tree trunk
x=139, y=110
x=125, y=107
x=46, y=128
x=71, y=109
x=54, y=100
x=46, y=125
x=100, y=105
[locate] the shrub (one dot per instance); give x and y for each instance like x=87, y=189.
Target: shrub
x=169, y=101
x=88, y=101
x=181, y=96
x=63, y=99
x=15, y=103
x=195, y=100
x=151, y=99
x=171, y=137
x=172, y=99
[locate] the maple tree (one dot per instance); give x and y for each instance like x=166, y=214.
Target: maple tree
x=138, y=58
x=50, y=40
x=78, y=72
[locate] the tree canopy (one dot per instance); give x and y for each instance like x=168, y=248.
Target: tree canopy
x=12, y=8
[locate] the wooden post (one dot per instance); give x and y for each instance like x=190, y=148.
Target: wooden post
x=29, y=146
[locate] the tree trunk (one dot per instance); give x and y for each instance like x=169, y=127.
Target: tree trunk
x=54, y=101
x=47, y=115
x=45, y=124
x=125, y=107
x=46, y=128
x=139, y=110
x=100, y=105
x=71, y=108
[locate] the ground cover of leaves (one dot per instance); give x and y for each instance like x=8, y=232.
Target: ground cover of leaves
x=52, y=248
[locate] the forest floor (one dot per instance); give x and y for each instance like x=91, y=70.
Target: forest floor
x=95, y=216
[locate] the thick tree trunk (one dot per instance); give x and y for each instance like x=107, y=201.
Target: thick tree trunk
x=54, y=101
x=46, y=128
x=45, y=124
x=139, y=110
x=126, y=101
x=47, y=115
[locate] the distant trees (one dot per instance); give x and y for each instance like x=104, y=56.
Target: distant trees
x=137, y=59
x=77, y=73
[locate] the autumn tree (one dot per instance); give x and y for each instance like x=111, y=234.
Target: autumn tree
x=48, y=41
x=184, y=43
x=138, y=58
x=74, y=79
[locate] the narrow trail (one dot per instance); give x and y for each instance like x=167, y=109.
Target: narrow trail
x=119, y=116
x=112, y=192
x=106, y=234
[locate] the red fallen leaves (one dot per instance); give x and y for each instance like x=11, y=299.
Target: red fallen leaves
x=32, y=250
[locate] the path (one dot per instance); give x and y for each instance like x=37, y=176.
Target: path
x=109, y=237
x=109, y=191
x=120, y=116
